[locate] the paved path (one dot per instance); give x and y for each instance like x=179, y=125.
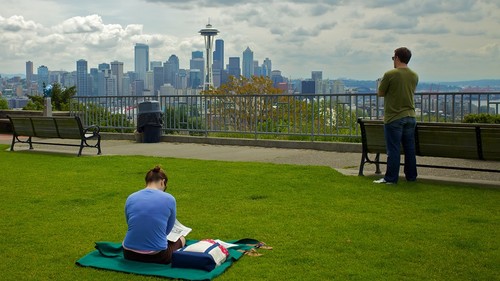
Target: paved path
x=346, y=163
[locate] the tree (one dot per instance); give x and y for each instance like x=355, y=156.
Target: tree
x=3, y=103
x=60, y=99
x=241, y=104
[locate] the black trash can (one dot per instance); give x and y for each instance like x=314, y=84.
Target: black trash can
x=149, y=121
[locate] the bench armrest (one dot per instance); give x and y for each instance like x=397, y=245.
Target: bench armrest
x=94, y=129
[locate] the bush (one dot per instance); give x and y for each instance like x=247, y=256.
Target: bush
x=482, y=118
x=3, y=103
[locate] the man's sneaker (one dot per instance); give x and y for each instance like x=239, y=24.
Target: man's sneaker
x=382, y=180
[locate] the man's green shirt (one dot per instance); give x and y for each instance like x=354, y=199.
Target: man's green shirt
x=398, y=86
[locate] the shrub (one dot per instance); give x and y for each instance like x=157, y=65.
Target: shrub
x=3, y=103
x=482, y=118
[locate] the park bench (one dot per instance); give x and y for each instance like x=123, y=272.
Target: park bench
x=53, y=127
x=449, y=140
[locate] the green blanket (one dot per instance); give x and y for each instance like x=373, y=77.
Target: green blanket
x=109, y=256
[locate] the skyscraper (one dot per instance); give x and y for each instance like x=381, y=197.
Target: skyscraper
x=29, y=74
x=153, y=64
x=197, y=62
x=248, y=63
x=94, y=76
x=171, y=70
x=219, y=54
x=43, y=77
x=141, y=59
x=257, y=70
x=82, y=89
x=103, y=66
x=158, y=79
x=233, y=67
x=267, y=67
x=317, y=77
x=197, y=55
x=117, y=71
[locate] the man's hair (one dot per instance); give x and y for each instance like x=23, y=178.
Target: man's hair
x=156, y=174
x=404, y=54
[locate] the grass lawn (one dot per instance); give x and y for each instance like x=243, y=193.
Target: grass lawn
x=322, y=225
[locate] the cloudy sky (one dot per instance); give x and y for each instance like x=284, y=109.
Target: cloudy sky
x=450, y=39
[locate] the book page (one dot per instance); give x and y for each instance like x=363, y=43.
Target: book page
x=226, y=244
x=177, y=231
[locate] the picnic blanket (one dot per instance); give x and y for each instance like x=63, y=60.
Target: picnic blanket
x=109, y=256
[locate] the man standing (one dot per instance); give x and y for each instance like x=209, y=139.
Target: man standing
x=398, y=88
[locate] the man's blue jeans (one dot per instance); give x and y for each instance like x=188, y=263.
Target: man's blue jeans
x=397, y=133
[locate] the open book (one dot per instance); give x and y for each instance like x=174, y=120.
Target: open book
x=177, y=231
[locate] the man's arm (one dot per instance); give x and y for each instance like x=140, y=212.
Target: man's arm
x=382, y=86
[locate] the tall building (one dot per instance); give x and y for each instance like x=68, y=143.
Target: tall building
x=102, y=81
x=138, y=88
x=233, y=68
x=196, y=67
x=338, y=87
x=195, y=78
x=141, y=59
x=94, y=76
x=267, y=67
x=29, y=74
x=219, y=54
x=157, y=79
x=257, y=70
x=308, y=87
x=171, y=70
x=317, y=77
x=43, y=77
x=103, y=66
x=82, y=89
x=153, y=64
x=126, y=85
x=197, y=55
x=149, y=82
x=117, y=71
x=209, y=34
x=248, y=63
x=277, y=78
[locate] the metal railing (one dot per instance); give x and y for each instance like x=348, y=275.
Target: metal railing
x=300, y=117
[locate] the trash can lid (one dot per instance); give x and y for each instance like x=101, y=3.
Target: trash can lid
x=149, y=106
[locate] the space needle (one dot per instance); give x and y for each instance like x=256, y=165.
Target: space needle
x=209, y=33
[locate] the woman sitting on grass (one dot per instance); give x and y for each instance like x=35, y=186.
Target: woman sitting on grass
x=150, y=215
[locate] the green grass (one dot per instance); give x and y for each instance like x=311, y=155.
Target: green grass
x=322, y=225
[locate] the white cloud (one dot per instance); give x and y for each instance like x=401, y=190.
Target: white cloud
x=342, y=38
x=17, y=23
x=88, y=24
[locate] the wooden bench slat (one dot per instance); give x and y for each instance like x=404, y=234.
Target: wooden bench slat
x=22, y=126
x=44, y=127
x=491, y=144
x=69, y=128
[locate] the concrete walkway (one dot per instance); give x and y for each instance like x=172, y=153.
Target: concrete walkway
x=344, y=162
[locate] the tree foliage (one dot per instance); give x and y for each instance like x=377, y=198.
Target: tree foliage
x=241, y=103
x=60, y=99
x=3, y=103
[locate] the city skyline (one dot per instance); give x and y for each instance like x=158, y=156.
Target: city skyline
x=450, y=40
